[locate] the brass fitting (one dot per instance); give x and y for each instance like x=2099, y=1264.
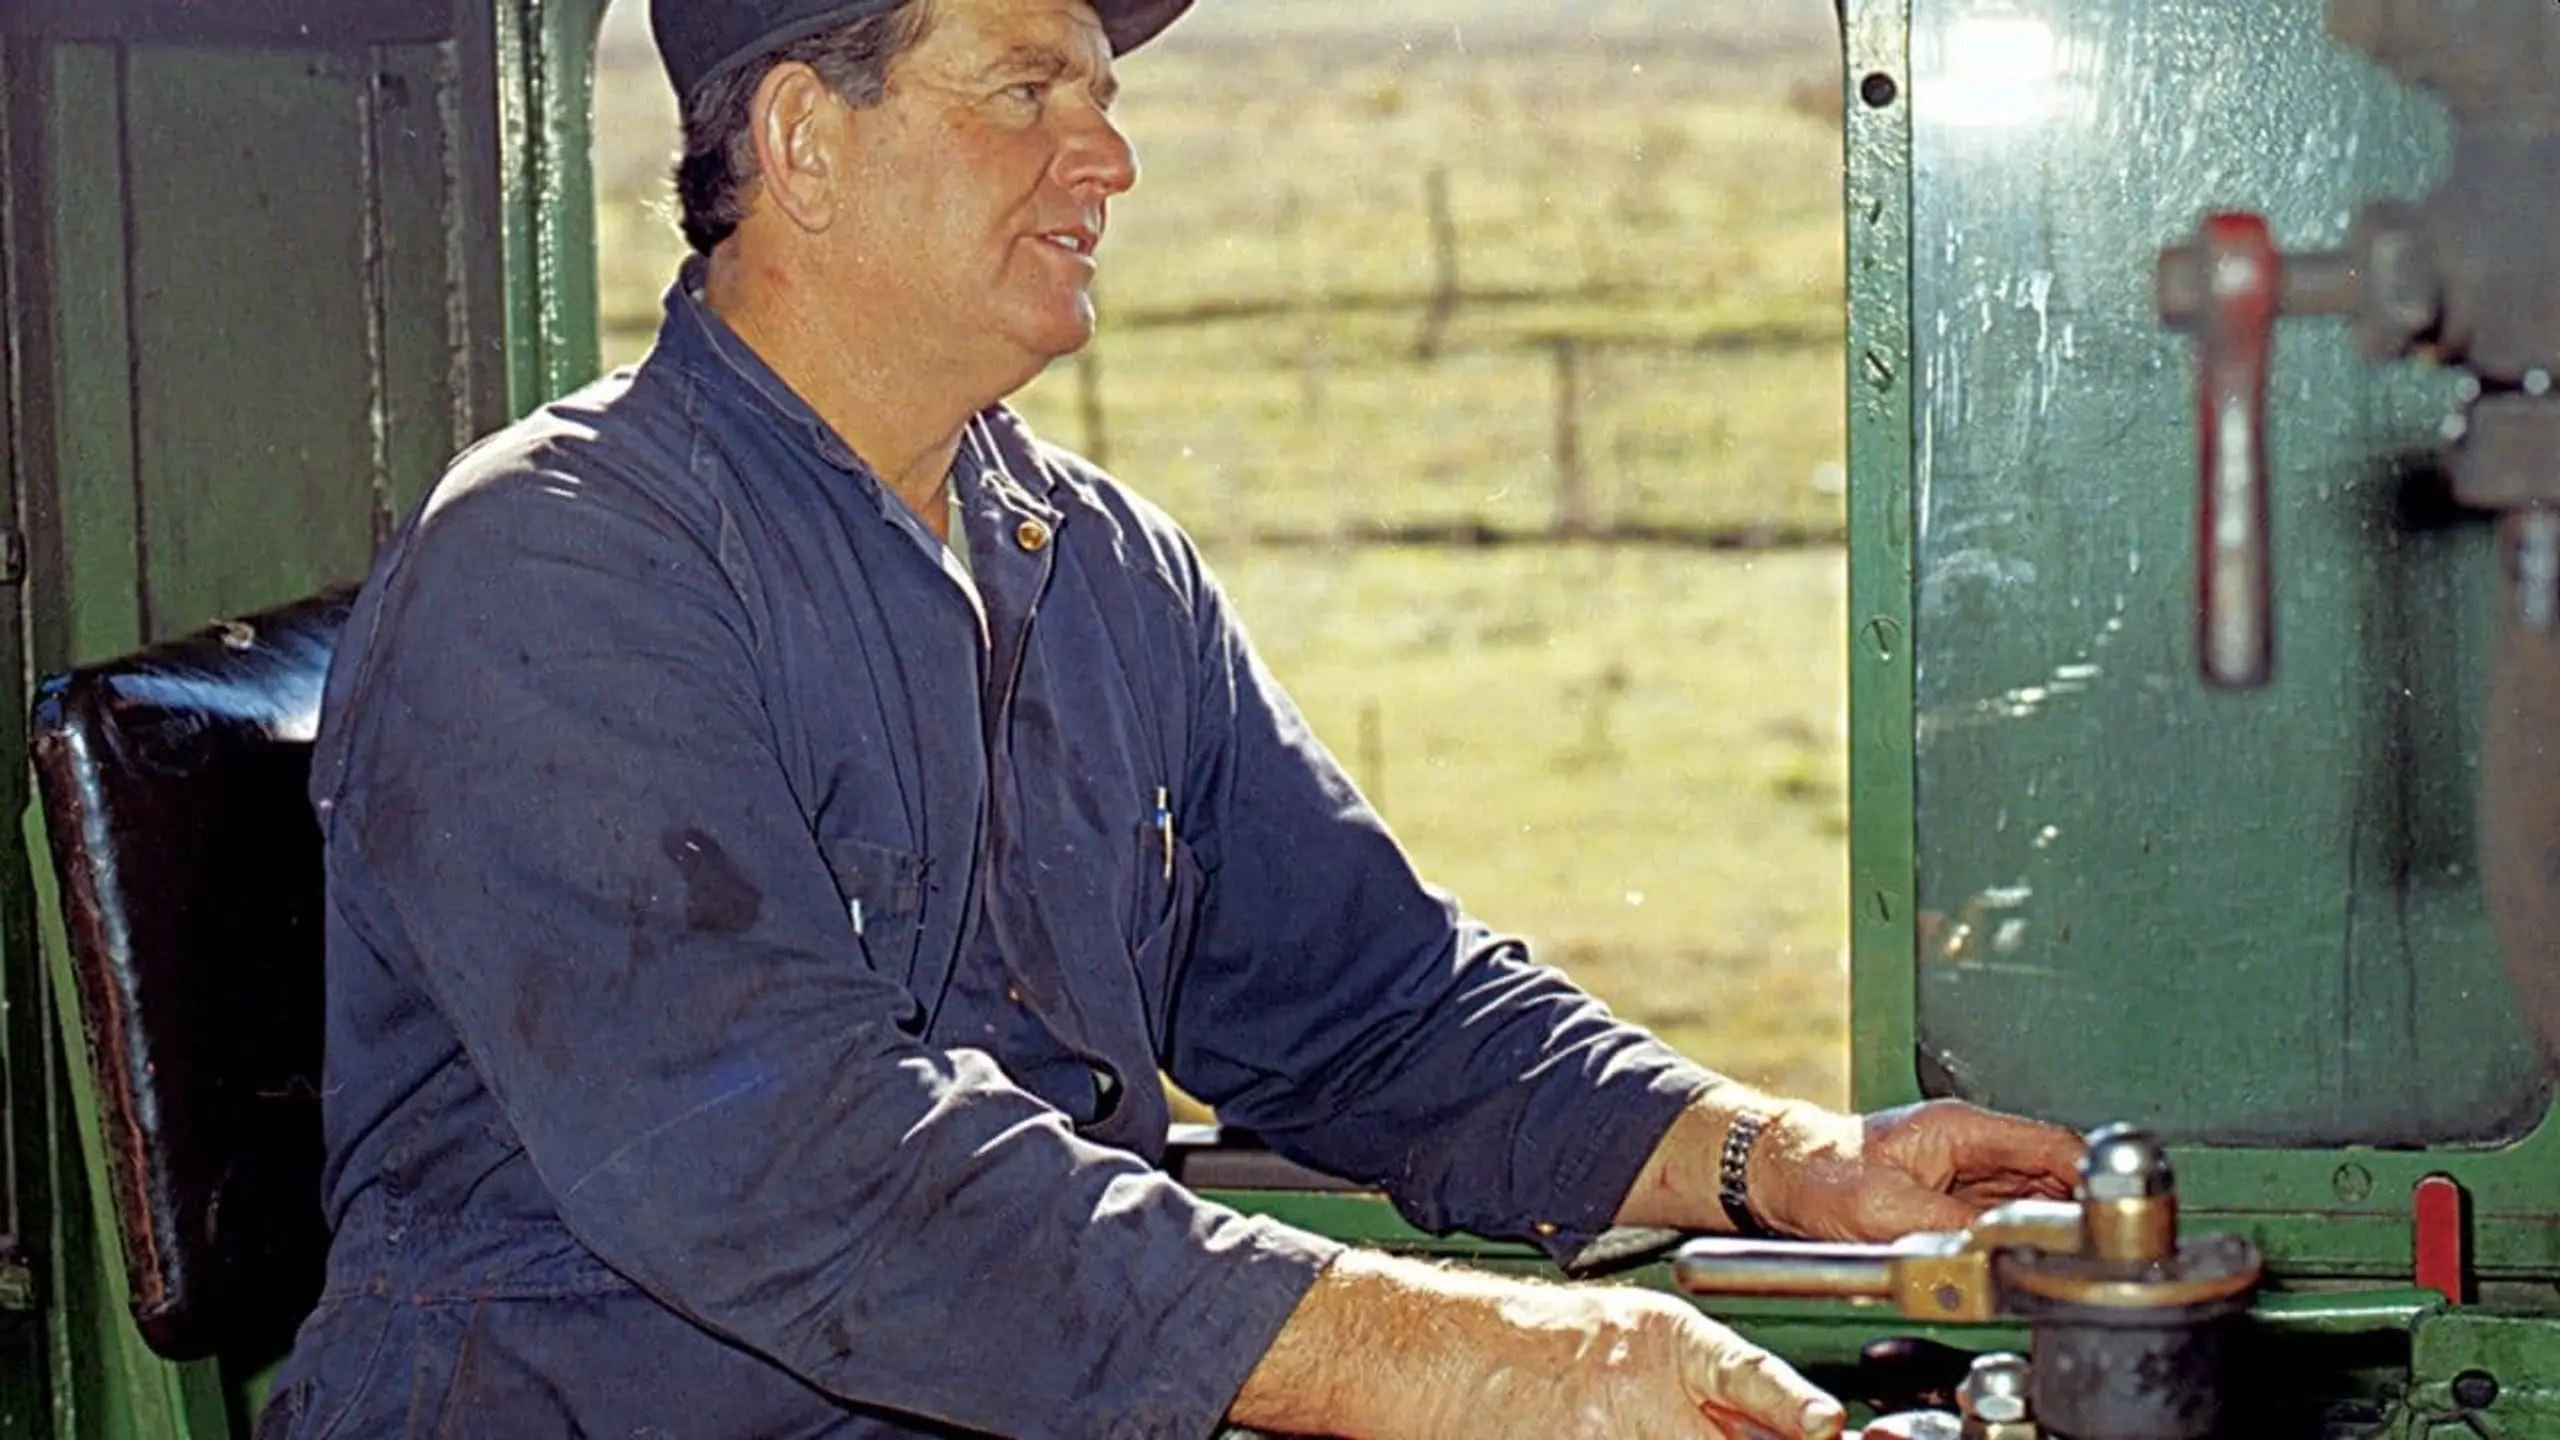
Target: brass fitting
x=2128, y=1198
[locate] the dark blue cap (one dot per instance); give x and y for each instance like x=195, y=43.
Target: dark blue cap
x=701, y=40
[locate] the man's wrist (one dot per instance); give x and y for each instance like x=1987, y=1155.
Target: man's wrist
x=1681, y=1185
x=1733, y=1169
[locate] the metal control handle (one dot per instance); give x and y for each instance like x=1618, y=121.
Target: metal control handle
x=2227, y=289
x=1783, y=1269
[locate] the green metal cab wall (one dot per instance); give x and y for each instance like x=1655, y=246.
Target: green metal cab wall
x=267, y=264
x=2086, y=887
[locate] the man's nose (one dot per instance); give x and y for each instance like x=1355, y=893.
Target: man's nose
x=1097, y=157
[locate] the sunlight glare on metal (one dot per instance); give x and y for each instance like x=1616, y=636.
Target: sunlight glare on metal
x=1998, y=72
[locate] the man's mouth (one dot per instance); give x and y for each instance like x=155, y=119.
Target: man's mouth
x=1080, y=242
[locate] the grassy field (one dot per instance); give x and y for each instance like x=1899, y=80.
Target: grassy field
x=1630, y=752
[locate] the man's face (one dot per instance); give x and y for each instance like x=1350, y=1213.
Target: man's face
x=981, y=184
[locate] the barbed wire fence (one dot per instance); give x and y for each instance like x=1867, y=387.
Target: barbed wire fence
x=1614, y=423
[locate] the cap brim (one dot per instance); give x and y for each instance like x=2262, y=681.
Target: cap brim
x=1128, y=23
x=1132, y=23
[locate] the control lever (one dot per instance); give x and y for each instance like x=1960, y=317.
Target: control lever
x=2128, y=1319
x=2225, y=289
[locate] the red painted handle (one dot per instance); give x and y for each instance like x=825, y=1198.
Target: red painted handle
x=2242, y=275
x=2440, y=1238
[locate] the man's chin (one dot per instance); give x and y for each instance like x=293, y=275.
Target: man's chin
x=1055, y=342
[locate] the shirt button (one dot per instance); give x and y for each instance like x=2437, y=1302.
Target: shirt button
x=1031, y=535
x=1013, y=993
x=1546, y=1229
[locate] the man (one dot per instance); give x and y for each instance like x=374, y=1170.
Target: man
x=780, y=817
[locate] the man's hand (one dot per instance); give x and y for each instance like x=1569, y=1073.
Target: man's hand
x=1615, y=1364
x=1934, y=1166
x=1822, y=1175
x=1386, y=1349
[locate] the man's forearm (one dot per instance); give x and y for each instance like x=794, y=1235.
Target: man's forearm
x=1678, y=1188
x=1363, y=1354
x=1387, y=1349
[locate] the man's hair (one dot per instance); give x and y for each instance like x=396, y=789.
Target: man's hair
x=719, y=162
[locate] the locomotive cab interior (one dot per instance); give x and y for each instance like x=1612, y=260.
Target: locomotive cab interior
x=269, y=263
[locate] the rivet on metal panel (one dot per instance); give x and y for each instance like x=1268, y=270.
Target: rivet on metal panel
x=1879, y=89
x=1884, y=906
x=1883, y=633
x=1879, y=369
x=2352, y=1183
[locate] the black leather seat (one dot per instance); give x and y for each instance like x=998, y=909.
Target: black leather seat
x=172, y=783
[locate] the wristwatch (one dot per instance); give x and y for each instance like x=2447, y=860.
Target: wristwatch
x=1732, y=1168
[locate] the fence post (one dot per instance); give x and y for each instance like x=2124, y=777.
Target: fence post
x=1573, y=493
x=1443, y=305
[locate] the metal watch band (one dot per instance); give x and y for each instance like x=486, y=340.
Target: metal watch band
x=1732, y=1168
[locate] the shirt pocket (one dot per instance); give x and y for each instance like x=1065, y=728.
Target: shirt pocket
x=882, y=888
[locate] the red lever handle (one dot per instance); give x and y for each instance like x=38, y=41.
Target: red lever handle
x=2227, y=289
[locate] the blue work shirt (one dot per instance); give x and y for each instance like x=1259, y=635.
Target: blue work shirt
x=752, y=946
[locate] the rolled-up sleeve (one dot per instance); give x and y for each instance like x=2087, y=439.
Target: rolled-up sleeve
x=1361, y=1023
x=562, y=799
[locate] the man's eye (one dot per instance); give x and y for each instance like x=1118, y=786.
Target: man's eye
x=1027, y=91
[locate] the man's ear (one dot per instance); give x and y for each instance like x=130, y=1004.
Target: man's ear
x=795, y=121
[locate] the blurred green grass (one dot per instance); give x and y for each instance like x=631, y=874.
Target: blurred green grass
x=1631, y=753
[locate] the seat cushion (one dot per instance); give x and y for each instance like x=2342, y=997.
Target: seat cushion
x=173, y=789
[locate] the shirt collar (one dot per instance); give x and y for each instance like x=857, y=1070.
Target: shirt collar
x=695, y=337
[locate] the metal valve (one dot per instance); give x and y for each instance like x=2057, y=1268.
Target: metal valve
x=1994, y=1399
x=1991, y=1404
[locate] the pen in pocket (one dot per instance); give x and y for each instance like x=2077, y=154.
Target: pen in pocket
x=1164, y=828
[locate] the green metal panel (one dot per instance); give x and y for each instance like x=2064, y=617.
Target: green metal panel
x=2245, y=919
x=83, y=517
x=2086, y=887
x=247, y=206
x=434, y=166
x=2515, y=1351
x=546, y=73
x=1877, y=208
